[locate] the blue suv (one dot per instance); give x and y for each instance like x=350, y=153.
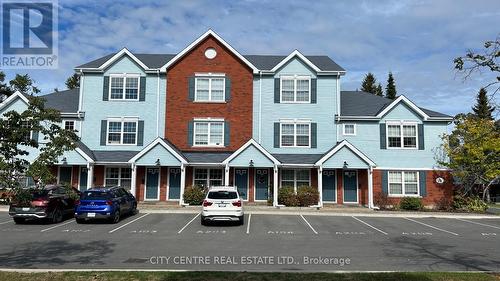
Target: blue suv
x=109, y=203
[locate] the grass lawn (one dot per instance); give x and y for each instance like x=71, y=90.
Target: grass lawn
x=240, y=276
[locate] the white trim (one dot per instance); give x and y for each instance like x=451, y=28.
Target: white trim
x=351, y=147
x=300, y=56
x=294, y=78
x=209, y=123
x=408, y=102
x=344, y=132
x=411, y=169
x=294, y=123
x=295, y=186
x=208, y=174
x=124, y=89
x=210, y=78
x=336, y=185
x=403, y=189
x=248, y=180
x=122, y=132
x=152, y=145
x=357, y=187
x=146, y=183
x=118, y=55
x=12, y=97
x=245, y=146
x=255, y=184
x=200, y=39
x=84, y=155
x=401, y=124
x=119, y=175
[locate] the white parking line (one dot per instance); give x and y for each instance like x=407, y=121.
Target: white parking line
x=123, y=225
x=431, y=226
x=4, y=222
x=197, y=215
x=367, y=224
x=248, y=223
x=312, y=228
x=47, y=229
x=478, y=223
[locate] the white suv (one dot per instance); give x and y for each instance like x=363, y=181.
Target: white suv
x=222, y=203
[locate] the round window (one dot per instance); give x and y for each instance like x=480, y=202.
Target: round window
x=210, y=53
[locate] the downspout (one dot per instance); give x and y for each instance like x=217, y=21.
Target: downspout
x=158, y=105
x=260, y=106
x=80, y=103
x=338, y=106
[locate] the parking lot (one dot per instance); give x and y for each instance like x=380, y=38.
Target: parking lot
x=265, y=242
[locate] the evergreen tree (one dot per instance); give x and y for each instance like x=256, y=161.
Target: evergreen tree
x=24, y=84
x=5, y=90
x=390, y=90
x=483, y=109
x=379, y=91
x=369, y=83
x=73, y=81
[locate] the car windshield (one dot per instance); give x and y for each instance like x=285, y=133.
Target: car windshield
x=95, y=195
x=40, y=193
x=222, y=195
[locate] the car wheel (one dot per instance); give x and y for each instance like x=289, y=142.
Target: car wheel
x=242, y=220
x=116, y=217
x=80, y=221
x=133, y=211
x=203, y=221
x=57, y=216
x=19, y=220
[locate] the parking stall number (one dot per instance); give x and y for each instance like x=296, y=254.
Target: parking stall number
x=417, y=233
x=350, y=233
x=142, y=231
x=488, y=234
x=280, y=232
x=75, y=230
x=211, y=232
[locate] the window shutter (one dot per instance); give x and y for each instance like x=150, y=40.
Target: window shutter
x=140, y=133
x=228, y=89
x=226, y=133
x=383, y=144
x=105, y=89
x=276, y=135
x=421, y=145
x=191, y=86
x=142, y=90
x=34, y=135
x=314, y=87
x=314, y=138
x=385, y=182
x=104, y=129
x=190, y=133
x=422, y=178
x=276, y=90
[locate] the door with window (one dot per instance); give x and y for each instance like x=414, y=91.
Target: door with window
x=65, y=175
x=261, y=184
x=350, y=179
x=174, y=183
x=241, y=182
x=83, y=178
x=329, y=186
x=152, y=184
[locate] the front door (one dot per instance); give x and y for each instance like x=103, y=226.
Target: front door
x=152, y=184
x=65, y=175
x=174, y=183
x=329, y=186
x=241, y=182
x=261, y=184
x=83, y=178
x=350, y=186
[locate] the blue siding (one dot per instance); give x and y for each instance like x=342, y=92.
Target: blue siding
x=345, y=154
x=251, y=153
x=158, y=152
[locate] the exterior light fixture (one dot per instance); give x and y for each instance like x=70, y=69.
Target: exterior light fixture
x=251, y=163
x=64, y=161
x=345, y=165
x=157, y=163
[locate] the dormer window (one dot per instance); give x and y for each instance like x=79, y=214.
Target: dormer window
x=124, y=87
x=295, y=89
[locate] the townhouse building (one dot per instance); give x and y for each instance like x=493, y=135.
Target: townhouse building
x=210, y=116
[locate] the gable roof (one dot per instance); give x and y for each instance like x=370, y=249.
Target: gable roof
x=359, y=103
x=351, y=147
x=159, y=141
x=65, y=101
x=13, y=97
x=253, y=143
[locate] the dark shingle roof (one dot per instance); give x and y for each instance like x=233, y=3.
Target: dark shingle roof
x=64, y=101
x=298, y=158
x=150, y=60
x=86, y=150
x=358, y=103
x=206, y=157
x=114, y=155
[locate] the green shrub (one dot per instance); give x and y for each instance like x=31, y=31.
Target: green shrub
x=307, y=196
x=194, y=195
x=469, y=204
x=287, y=197
x=382, y=200
x=411, y=203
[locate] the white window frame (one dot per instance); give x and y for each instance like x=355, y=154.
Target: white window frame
x=344, y=130
x=119, y=176
x=401, y=123
x=294, y=134
x=209, y=121
x=403, y=186
x=210, y=77
x=125, y=76
x=122, y=121
x=294, y=78
x=208, y=175
x=294, y=177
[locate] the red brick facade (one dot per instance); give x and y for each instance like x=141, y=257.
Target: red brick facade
x=237, y=111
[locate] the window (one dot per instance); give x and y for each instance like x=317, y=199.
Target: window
x=124, y=87
x=118, y=176
x=295, y=89
x=295, y=134
x=349, y=129
x=295, y=178
x=402, y=135
x=122, y=132
x=403, y=183
x=25, y=125
x=210, y=89
x=208, y=177
x=209, y=134
x=69, y=125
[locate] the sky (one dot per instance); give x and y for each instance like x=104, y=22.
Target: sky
x=415, y=40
